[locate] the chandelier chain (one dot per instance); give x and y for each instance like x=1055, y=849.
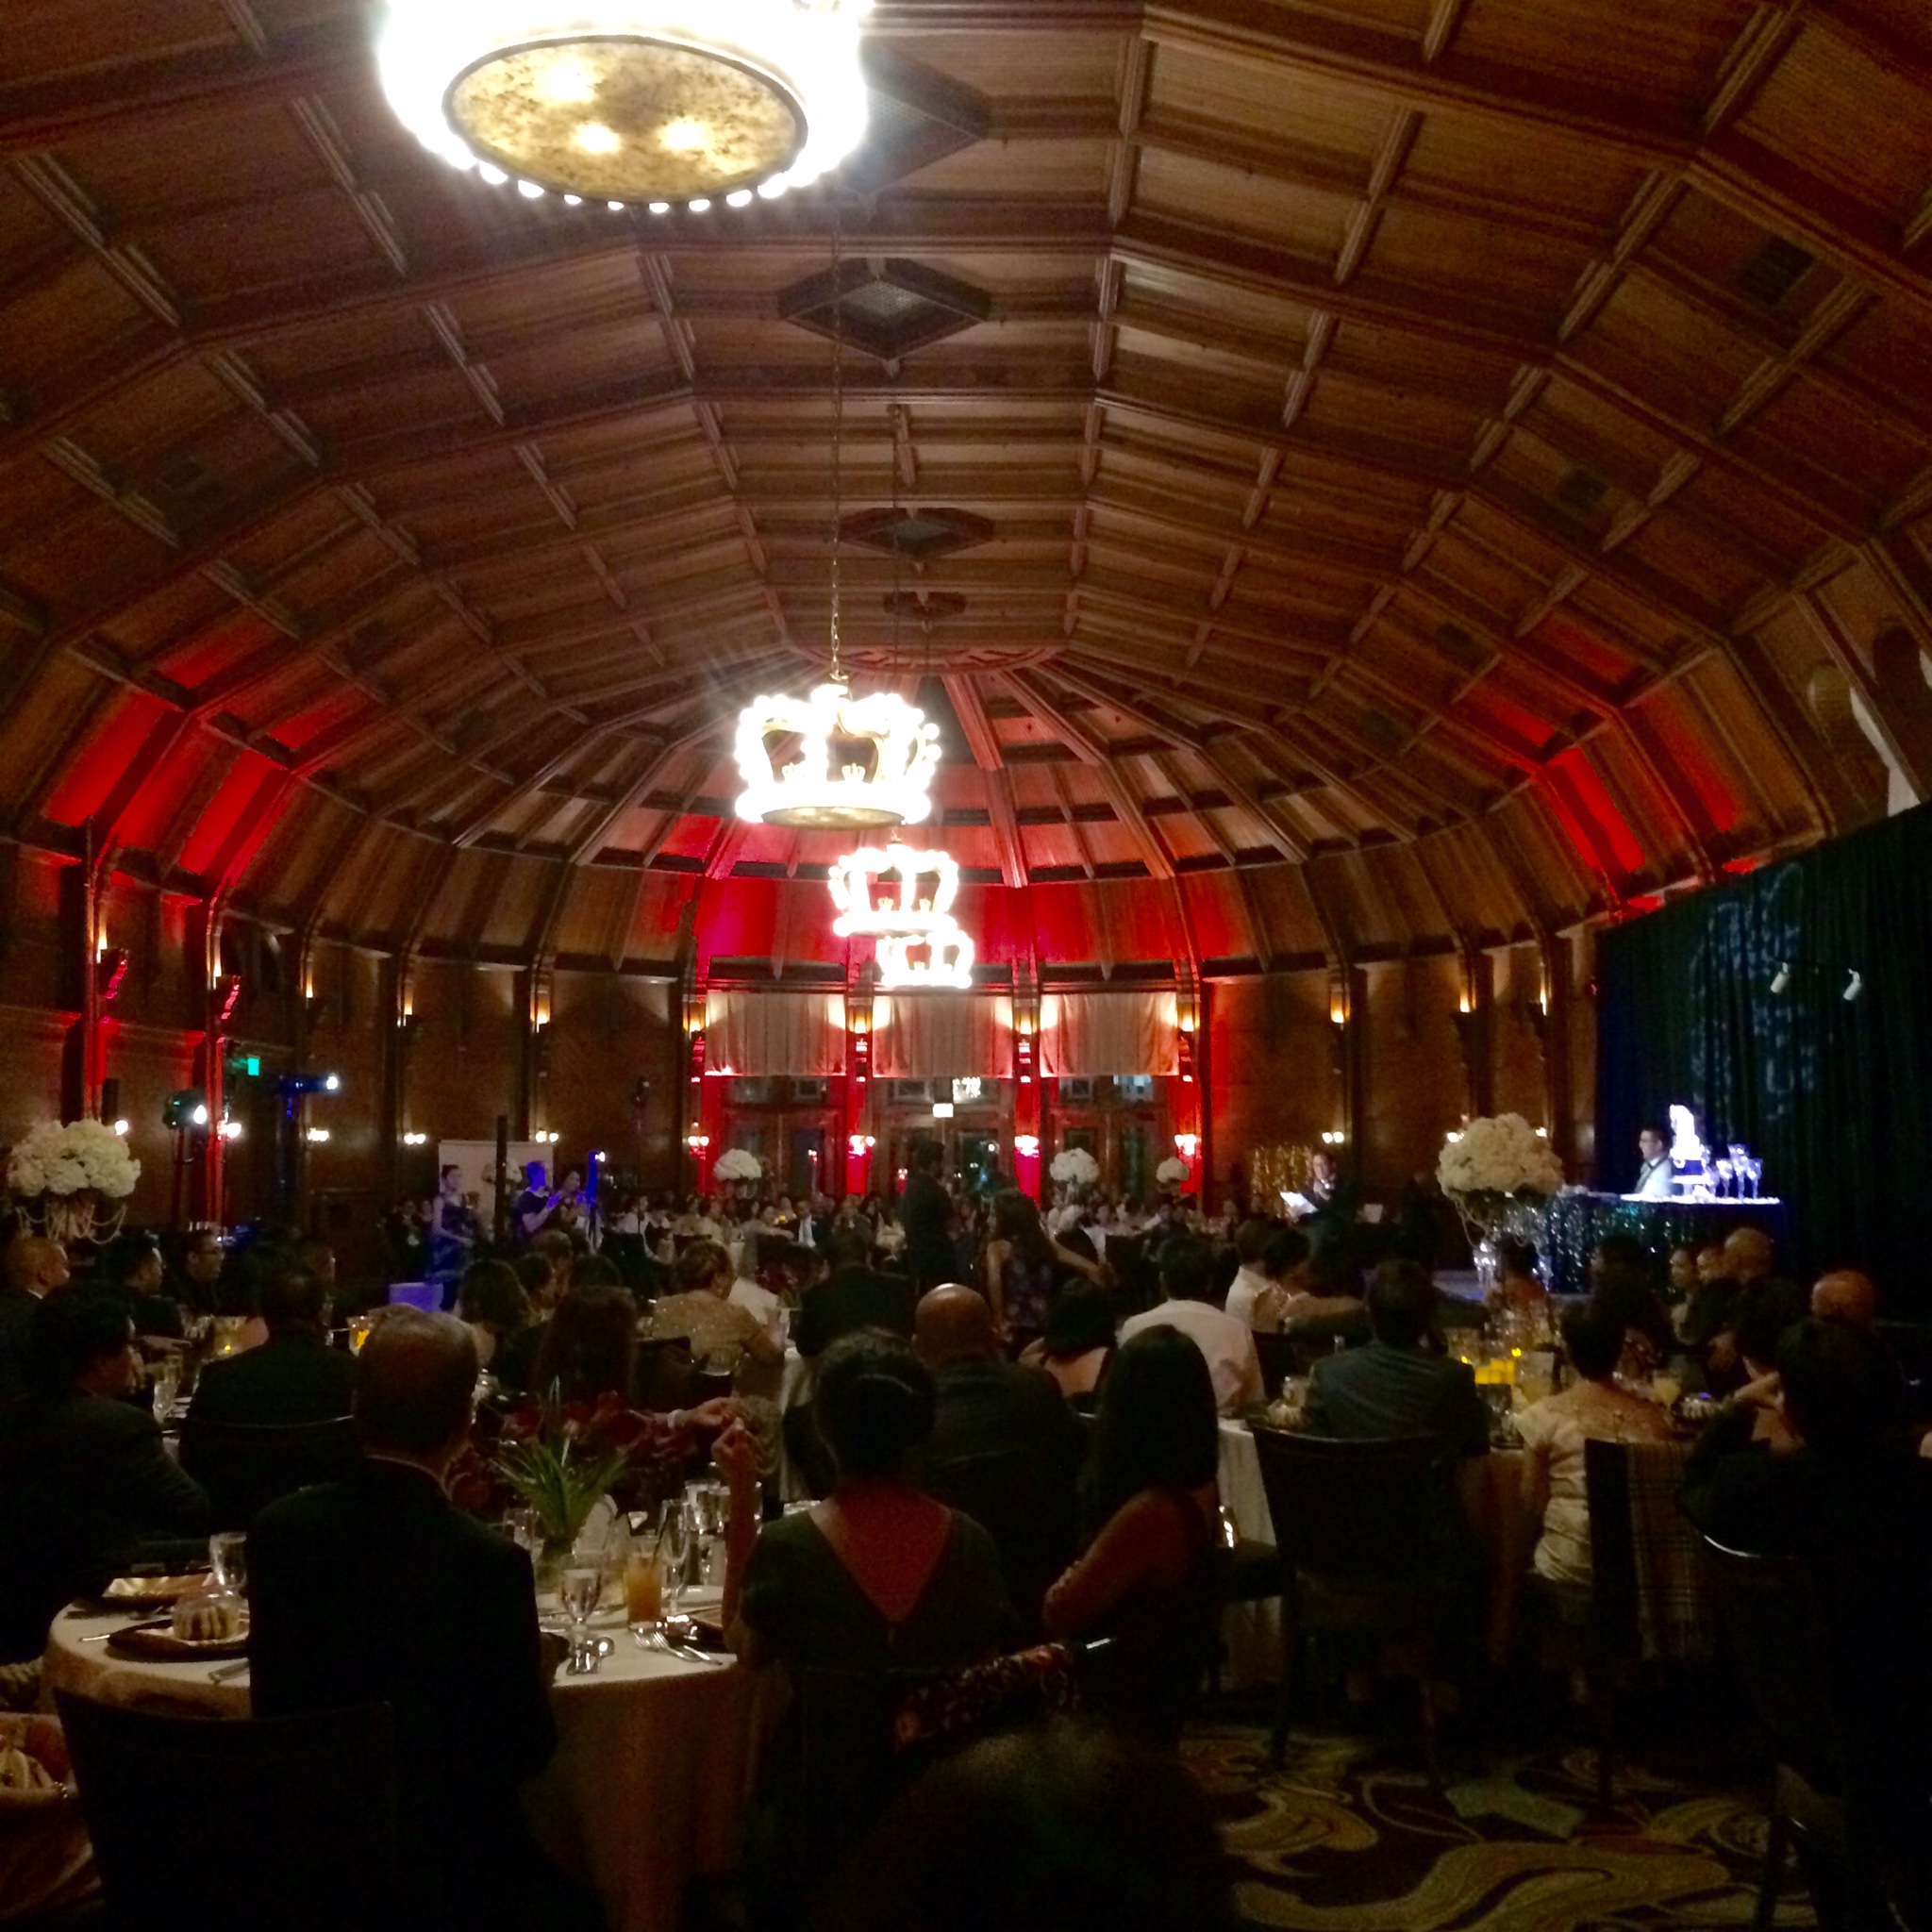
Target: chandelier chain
x=838, y=420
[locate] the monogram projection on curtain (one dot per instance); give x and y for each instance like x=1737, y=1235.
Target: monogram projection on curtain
x=1834, y=1094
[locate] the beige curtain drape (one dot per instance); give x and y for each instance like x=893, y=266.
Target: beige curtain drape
x=761, y=1033
x=1082, y=1034
x=925, y=1036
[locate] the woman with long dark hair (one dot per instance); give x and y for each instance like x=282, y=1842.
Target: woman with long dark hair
x=1023, y=1267
x=1147, y=1577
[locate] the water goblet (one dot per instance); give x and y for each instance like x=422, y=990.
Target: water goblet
x=167, y=1387
x=227, y=1556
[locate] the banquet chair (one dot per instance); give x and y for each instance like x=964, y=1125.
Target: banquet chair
x=665, y=1376
x=287, y=1823
x=1650, y=1601
x=1775, y=1638
x=1356, y=1523
x=246, y=1466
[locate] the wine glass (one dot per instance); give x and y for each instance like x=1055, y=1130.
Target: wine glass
x=579, y=1590
x=675, y=1547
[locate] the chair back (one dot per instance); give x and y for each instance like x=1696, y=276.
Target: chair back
x=1308, y=1341
x=1281, y=1358
x=1351, y=1511
x=1650, y=1584
x=1774, y=1632
x=664, y=1378
x=284, y=1821
x=246, y=1466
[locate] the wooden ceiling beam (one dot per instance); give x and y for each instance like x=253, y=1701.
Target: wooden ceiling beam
x=1251, y=267
x=194, y=80
x=1033, y=693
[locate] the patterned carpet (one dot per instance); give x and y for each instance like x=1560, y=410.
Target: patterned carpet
x=1347, y=1836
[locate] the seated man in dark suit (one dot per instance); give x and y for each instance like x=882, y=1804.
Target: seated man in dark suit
x=1005, y=1448
x=294, y=1376
x=1395, y=1386
x=378, y=1587
x=86, y=1485
x=852, y=1296
x=34, y=1268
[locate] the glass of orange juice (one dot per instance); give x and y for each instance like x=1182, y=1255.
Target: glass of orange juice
x=644, y=1592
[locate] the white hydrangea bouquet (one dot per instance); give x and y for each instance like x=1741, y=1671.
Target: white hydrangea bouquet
x=1172, y=1172
x=1498, y=1171
x=736, y=1164
x=61, y=1176
x=1073, y=1167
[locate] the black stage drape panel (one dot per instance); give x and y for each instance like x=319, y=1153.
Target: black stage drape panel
x=1835, y=1096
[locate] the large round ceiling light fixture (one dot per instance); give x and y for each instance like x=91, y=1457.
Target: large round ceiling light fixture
x=684, y=101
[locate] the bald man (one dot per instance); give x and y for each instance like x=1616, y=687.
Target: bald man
x=35, y=1267
x=1845, y=1295
x=1004, y=1447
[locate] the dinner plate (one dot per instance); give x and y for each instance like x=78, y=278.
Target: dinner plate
x=157, y=1644
x=150, y=1592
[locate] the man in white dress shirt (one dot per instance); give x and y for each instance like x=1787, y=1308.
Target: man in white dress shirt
x=1654, y=1178
x=1259, y=1294
x=1186, y=1275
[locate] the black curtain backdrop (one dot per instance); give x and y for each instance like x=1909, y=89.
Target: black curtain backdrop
x=1835, y=1096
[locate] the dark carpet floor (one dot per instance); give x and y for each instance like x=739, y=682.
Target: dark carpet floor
x=1348, y=1836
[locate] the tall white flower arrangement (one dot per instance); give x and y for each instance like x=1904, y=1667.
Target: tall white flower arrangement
x=1500, y=1153
x=739, y=1164
x=1073, y=1167
x=1172, y=1172
x=79, y=1157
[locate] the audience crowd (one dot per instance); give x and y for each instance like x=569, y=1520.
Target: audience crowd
x=1000, y=1427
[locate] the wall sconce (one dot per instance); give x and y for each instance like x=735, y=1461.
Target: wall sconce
x=120, y=1129
x=942, y=1109
x=1338, y=1000
x=1184, y=1059
x=231, y=1130
x=859, y=1145
x=317, y=1136
x=1185, y=1145
x=695, y=1012
x=415, y=1139
x=1187, y=1010
x=1338, y=1137
x=110, y=969
x=540, y=1011
x=697, y=1142
x=1026, y=1146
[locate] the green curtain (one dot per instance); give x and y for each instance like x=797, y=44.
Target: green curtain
x=1835, y=1096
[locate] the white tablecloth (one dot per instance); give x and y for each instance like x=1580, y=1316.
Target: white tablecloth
x=1250, y=1631
x=643, y=1794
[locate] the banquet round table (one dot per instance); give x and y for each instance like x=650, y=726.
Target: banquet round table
x=643, y=1794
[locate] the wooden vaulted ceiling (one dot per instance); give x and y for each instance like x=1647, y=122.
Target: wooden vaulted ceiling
x=1477, y=453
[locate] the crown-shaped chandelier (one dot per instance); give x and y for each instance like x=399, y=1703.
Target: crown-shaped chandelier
x=835, y=761
x=903, y=899
x=679, y=101
x=896, y=891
